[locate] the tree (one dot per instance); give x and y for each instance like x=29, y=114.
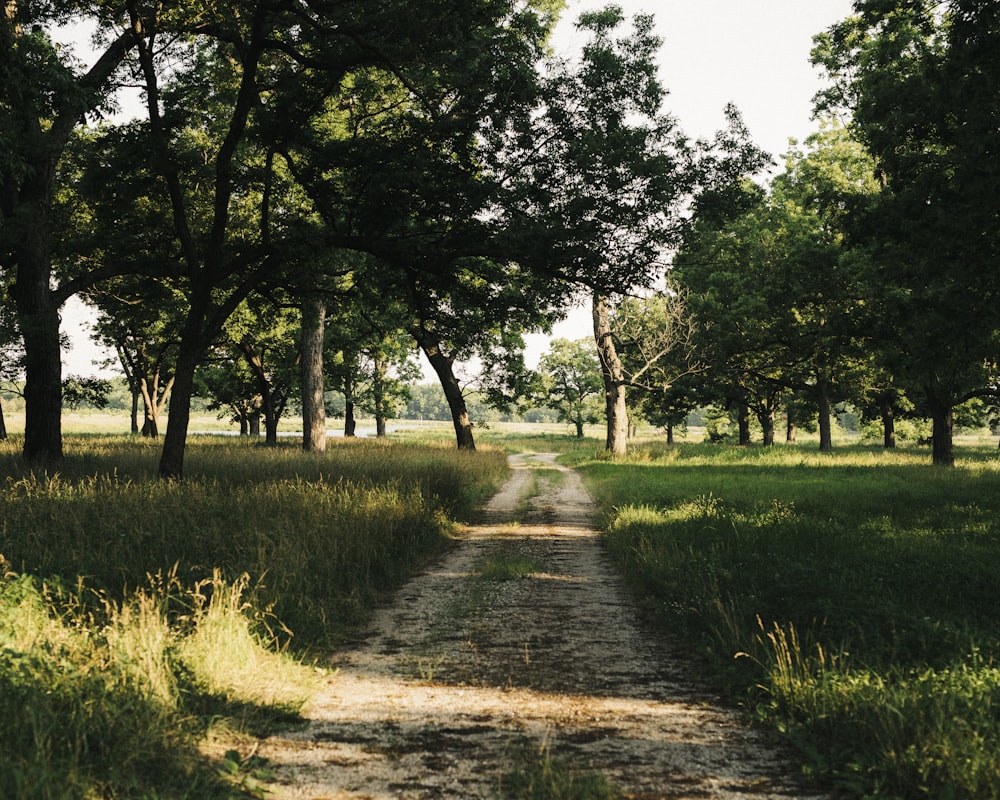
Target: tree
x=44, y=95
x=653, y=334
x=778, y=293
x=313, y=333
x=612, y=177
x=141, y=321
x=919, y=79
x=569, y=378
x=226, y=382
x=403, y=168
x=265, y=333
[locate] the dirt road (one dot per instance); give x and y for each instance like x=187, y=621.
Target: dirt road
x=519, y=647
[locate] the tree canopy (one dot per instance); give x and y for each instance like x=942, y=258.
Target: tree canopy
x=355, y=181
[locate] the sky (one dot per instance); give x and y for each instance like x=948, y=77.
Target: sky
x=752, y=53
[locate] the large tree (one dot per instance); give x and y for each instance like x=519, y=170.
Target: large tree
x=45, y=94
x=920, y=80
x=612, y=172
x=611, y=177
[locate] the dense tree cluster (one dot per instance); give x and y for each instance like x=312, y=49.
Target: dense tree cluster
x=866, y=271
x=318, y=191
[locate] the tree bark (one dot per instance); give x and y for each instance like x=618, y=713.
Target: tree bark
x=888, y=424
x=175, y=439
x=766, y=418
x=38, y=320
x=743, y=423
x=271, y=419
x=613, y=374
x=26, y=205
x=350, y=424
x=3, y=425
x=942, y=416
x=443, y=367
x=134, y=426
x=825, y=414
x=313, y=407
x=670, y=433
x=150, y=423
x=378, y=394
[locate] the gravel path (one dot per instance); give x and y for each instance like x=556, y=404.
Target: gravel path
x=466, y=678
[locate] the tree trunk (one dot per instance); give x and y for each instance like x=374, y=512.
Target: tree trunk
x=3, y=425
x=175, y=440
x=443, y=367
x=670, y=433
x=743, y=423
x=888, y=424
x=766, y=418
x=150, y=423
x=25, y=205
x=378, y=394
x=579, y=427
x=790, y=432
x=350, y=424
x=942, y=417
x=613, y=374
x=38, y=320
x=244, y=423
x=313, y=407
x=271, y=419
x=825, y=414
x=135, y=409
x=255, y=423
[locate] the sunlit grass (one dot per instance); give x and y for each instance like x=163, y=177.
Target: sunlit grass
x=108, y=700
x=140, y=618
x=852, y=598
x=506, y=566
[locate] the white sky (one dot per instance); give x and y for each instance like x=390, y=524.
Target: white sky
x=753, y=53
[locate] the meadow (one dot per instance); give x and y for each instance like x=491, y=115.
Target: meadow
x=149, y=630
x=849, y=600
x=147, y=627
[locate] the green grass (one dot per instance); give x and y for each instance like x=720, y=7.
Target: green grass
x=538, y=775
x=322, y=536
x=140, y=619
x=114, y=700
x=851, y=598
x=502, y=566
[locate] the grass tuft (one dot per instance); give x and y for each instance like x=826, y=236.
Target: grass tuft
x=541, y=776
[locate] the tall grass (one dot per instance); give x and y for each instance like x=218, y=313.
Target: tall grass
x=135, y=615
x=113, y=701
x=852, y=599
x=322, y=536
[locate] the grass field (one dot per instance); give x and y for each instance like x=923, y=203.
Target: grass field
x=141, y=620
x=852, y=599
